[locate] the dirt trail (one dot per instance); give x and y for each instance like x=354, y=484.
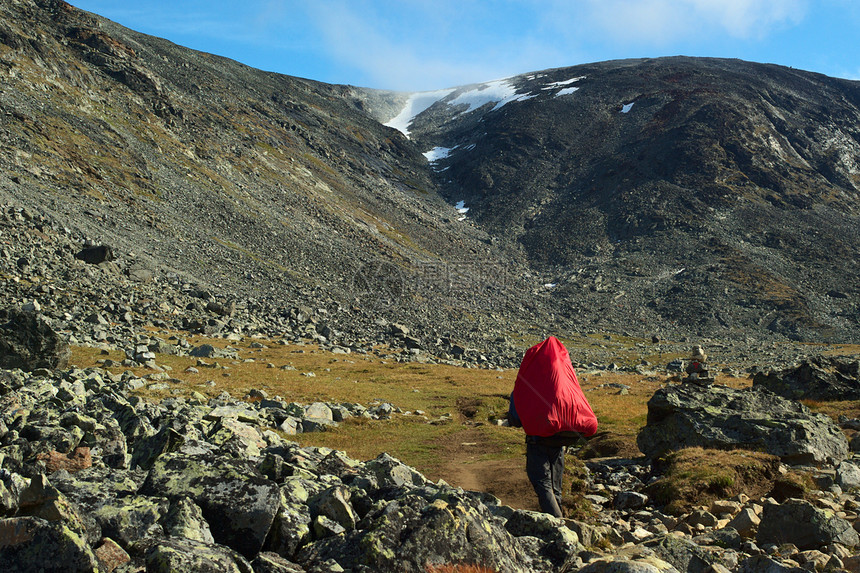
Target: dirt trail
x=505, y=479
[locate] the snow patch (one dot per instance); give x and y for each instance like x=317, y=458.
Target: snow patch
x=553, y=85
x=566, y=91
x=500, y=92
x=550, y=285
x=461, y=207
x=438, y=153
x=416, y=103
x=627, y=107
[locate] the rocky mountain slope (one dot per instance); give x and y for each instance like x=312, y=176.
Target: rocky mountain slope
x=723, y=203
x=263, y=189
x=685, y=193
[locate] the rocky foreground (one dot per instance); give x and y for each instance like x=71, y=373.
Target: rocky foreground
x=96, y=479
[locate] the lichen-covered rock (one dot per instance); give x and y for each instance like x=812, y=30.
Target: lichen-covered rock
x=819, y=378
x=41, y=499
x=334, y=504
x=291, y=529
x=387, y=471
x=806, y=526
x=185, y=519
x=268, y=562
x=560, y=541
x=687, y=415
x=428, y=526
x=683, y=554
x=237, y=501
x=641, y=565
x=127, y=519
x=147, y=450
x=848, y=475
x=765, y=564
x=178, y=554
x=34, y=544
x=28, y=342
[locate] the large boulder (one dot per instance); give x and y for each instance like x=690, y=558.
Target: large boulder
x=799, y=522
x=688, y=415
x=431, y=527
x=35, y=544
x=179, y=554
x=819, y=378
x=96, y=254
x=238, y=503
x=28, y=342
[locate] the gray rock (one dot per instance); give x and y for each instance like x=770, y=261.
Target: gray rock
x=128, y=519
x=140, y=273
x=545, y=526
x=819, y=378
x=96, y=254
x=28, y=342
x=34, y=544
x=412, y=531
x=324, y=526
x=178, y=554
x=619, y=565
x=683, y=554
x=310, y=425
x=185, y=519
x=320, y=411
x=237, y=501
x=765, y=564
x=848, y=475
x=745, y=522
x=806, y=526
x=388, y=471
x=630, y=500
x=268, y=562
x=719, y=417
x=334, y=504
x=209, y=351
x=291, y=529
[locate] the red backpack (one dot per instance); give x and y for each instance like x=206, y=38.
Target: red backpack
x=547, y=396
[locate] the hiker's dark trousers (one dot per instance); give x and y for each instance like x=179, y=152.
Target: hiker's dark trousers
x=545, y=466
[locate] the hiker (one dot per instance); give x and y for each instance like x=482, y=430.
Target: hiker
x=549, y=405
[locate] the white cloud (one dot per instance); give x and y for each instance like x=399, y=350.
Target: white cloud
x=661, y=22
x=419, y=45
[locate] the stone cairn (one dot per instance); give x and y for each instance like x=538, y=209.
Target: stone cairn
x=697, y=369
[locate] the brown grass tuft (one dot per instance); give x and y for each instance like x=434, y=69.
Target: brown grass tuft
x=698, y=476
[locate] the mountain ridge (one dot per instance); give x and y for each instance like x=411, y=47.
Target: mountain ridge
x=677, y=146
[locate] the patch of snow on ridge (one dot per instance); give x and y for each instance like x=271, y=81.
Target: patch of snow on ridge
x=566, y=91
x=438, y=153
x=416, y=103
x=461, y=207
x=500, y=92
x=554, y=85
x=626, y=107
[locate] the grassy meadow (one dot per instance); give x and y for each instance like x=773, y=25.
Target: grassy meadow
x=447, y=424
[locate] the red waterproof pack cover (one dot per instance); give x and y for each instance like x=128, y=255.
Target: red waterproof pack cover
x=547, y=395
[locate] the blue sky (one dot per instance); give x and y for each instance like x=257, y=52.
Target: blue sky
x=414, y=45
